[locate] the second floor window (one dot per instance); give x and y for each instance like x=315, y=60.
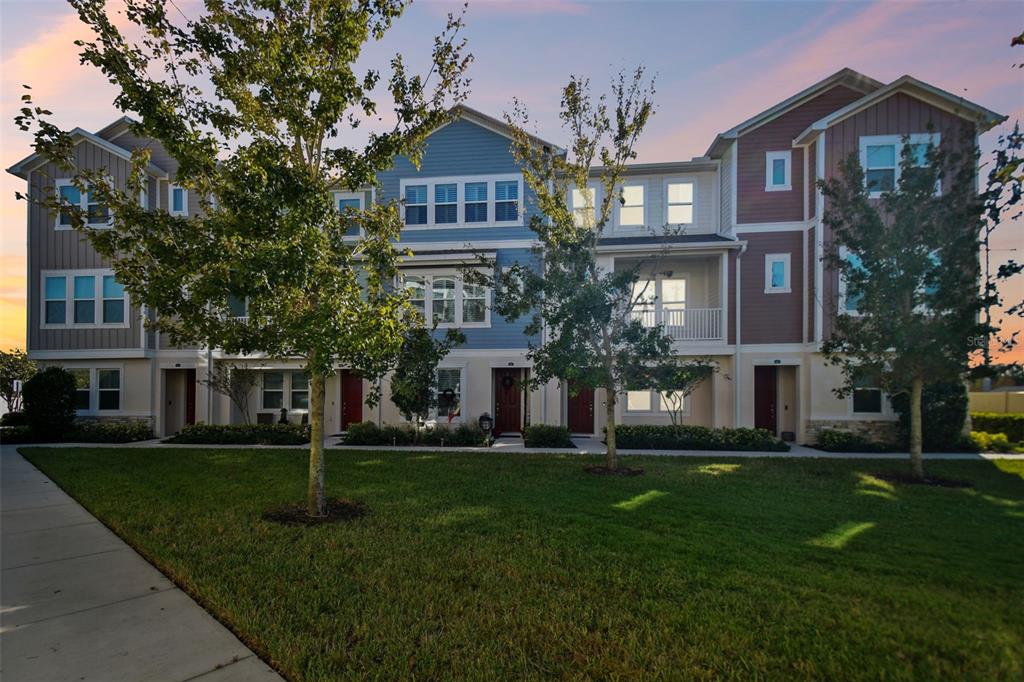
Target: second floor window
x=83, y=298
x=96, y=214
x=448, y=301
x=584, y=206
x=880, y=157
x=778, y=173
x=178, y=200
x=506, y=200
x=679, y=203
x=464, y=201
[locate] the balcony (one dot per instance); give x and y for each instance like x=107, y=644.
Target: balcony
x=684, y=324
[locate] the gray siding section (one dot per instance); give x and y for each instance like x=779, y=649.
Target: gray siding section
x=52, y=249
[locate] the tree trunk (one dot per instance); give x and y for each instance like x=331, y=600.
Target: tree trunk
x=611, y=458
x=316, y=501
x=916, y=461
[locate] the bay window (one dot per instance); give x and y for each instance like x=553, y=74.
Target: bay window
x=447, y=300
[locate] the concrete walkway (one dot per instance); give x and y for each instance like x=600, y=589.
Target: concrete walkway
x=77, y=603
x=583, y=446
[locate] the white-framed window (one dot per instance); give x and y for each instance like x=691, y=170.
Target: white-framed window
x=475, y=198
x=238, y=306
x=632, y=210
x=866, y=397
x=177, y=200
x=462, y=201
x=83, y=388
x=778, y=171
x=661, y=300
x=583, y=202
x=679, y=201
x=415, y=204
x=108, y=389
x=448, y=395
x=98, y=215
x=880, y=158
x=652, y=402
x=97, y=389
x=82, y=299
x=344, y=200
x=848, y=303
x=777, y=275
x=272, y=391
x=446, y=299
x=299, y=394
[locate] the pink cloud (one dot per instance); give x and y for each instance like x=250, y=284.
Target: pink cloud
x=509, y=7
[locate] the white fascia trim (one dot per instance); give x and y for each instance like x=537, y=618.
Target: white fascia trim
x=733, y=179
x=819, y=242
x=760, y=228
x=92, y=354
x=33, y=161
x=446, y=258
x=491, y=244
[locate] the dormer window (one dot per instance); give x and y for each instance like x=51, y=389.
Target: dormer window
x=778, y=171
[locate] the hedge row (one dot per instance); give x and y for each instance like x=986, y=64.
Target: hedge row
x=834, y=440
x=545, y=436
x=1010, y=423
x=368, y=433
x=667, y=437
x=82, y=432
x=241, y=434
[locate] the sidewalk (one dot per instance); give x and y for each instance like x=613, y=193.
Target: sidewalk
x=80, y=604
x=583, y=446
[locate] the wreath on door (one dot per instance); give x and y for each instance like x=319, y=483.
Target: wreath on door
x=507, y=381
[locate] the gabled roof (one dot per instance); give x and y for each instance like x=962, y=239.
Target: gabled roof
x=461, y=111
x=937, y=97
x=22, y=168
x=846, y=77
x=123, y=123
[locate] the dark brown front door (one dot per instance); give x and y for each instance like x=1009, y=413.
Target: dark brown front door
x=581, y=411
x=508, y=401
x=190, y=396
x=351, y=398
x=764, y=397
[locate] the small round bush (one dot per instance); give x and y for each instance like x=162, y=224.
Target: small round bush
x=50, y=402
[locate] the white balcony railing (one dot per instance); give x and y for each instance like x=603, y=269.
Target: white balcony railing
x=687, y=324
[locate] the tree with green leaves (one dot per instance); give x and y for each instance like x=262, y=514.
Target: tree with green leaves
x=15, y=370
x=258, y=102
x=909, y=263
x=236, y=382
x=674, y=382
x=414, y=381
x=592, y=336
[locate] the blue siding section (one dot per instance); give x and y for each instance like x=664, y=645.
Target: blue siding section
x=502, y=333
x=460, y=148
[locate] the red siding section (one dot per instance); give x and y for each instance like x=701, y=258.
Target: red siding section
x=772, y=318
x=900, y=114
x=812, y=170
x=754, y=205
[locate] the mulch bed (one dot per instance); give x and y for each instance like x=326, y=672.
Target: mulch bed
x=907, y=479
x=337, y=510
x=619, y=471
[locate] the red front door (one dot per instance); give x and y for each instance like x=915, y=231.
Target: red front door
x=351, y=398
x=190, y=396
x=508, y=401
x=764, y=397
x=581, y=410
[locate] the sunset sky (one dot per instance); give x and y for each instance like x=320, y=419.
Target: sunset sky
x=716, y=64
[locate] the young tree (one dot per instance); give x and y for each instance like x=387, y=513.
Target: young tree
x=910, y=265
x=675, y=382
x=592, y=338
x=262, y=146
x=15, y=370
x=235, y=382
x=414, y=382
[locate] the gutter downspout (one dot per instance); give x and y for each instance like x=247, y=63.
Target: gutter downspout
x=736, y=370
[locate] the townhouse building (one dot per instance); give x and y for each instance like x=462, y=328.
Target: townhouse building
x=741, y=280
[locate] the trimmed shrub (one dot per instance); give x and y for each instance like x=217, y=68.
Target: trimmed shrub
x=943, y=412
x=13, y=419
x=991, y=442
x=669, y=437
x=1009, y=423
x=109, y=432
x=835, y=440
x=368, y=433
x=545, y=436
x=17, y=435
x=242, y=434
x=50, y=402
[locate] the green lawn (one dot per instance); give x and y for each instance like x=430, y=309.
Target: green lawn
x=491, y=566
